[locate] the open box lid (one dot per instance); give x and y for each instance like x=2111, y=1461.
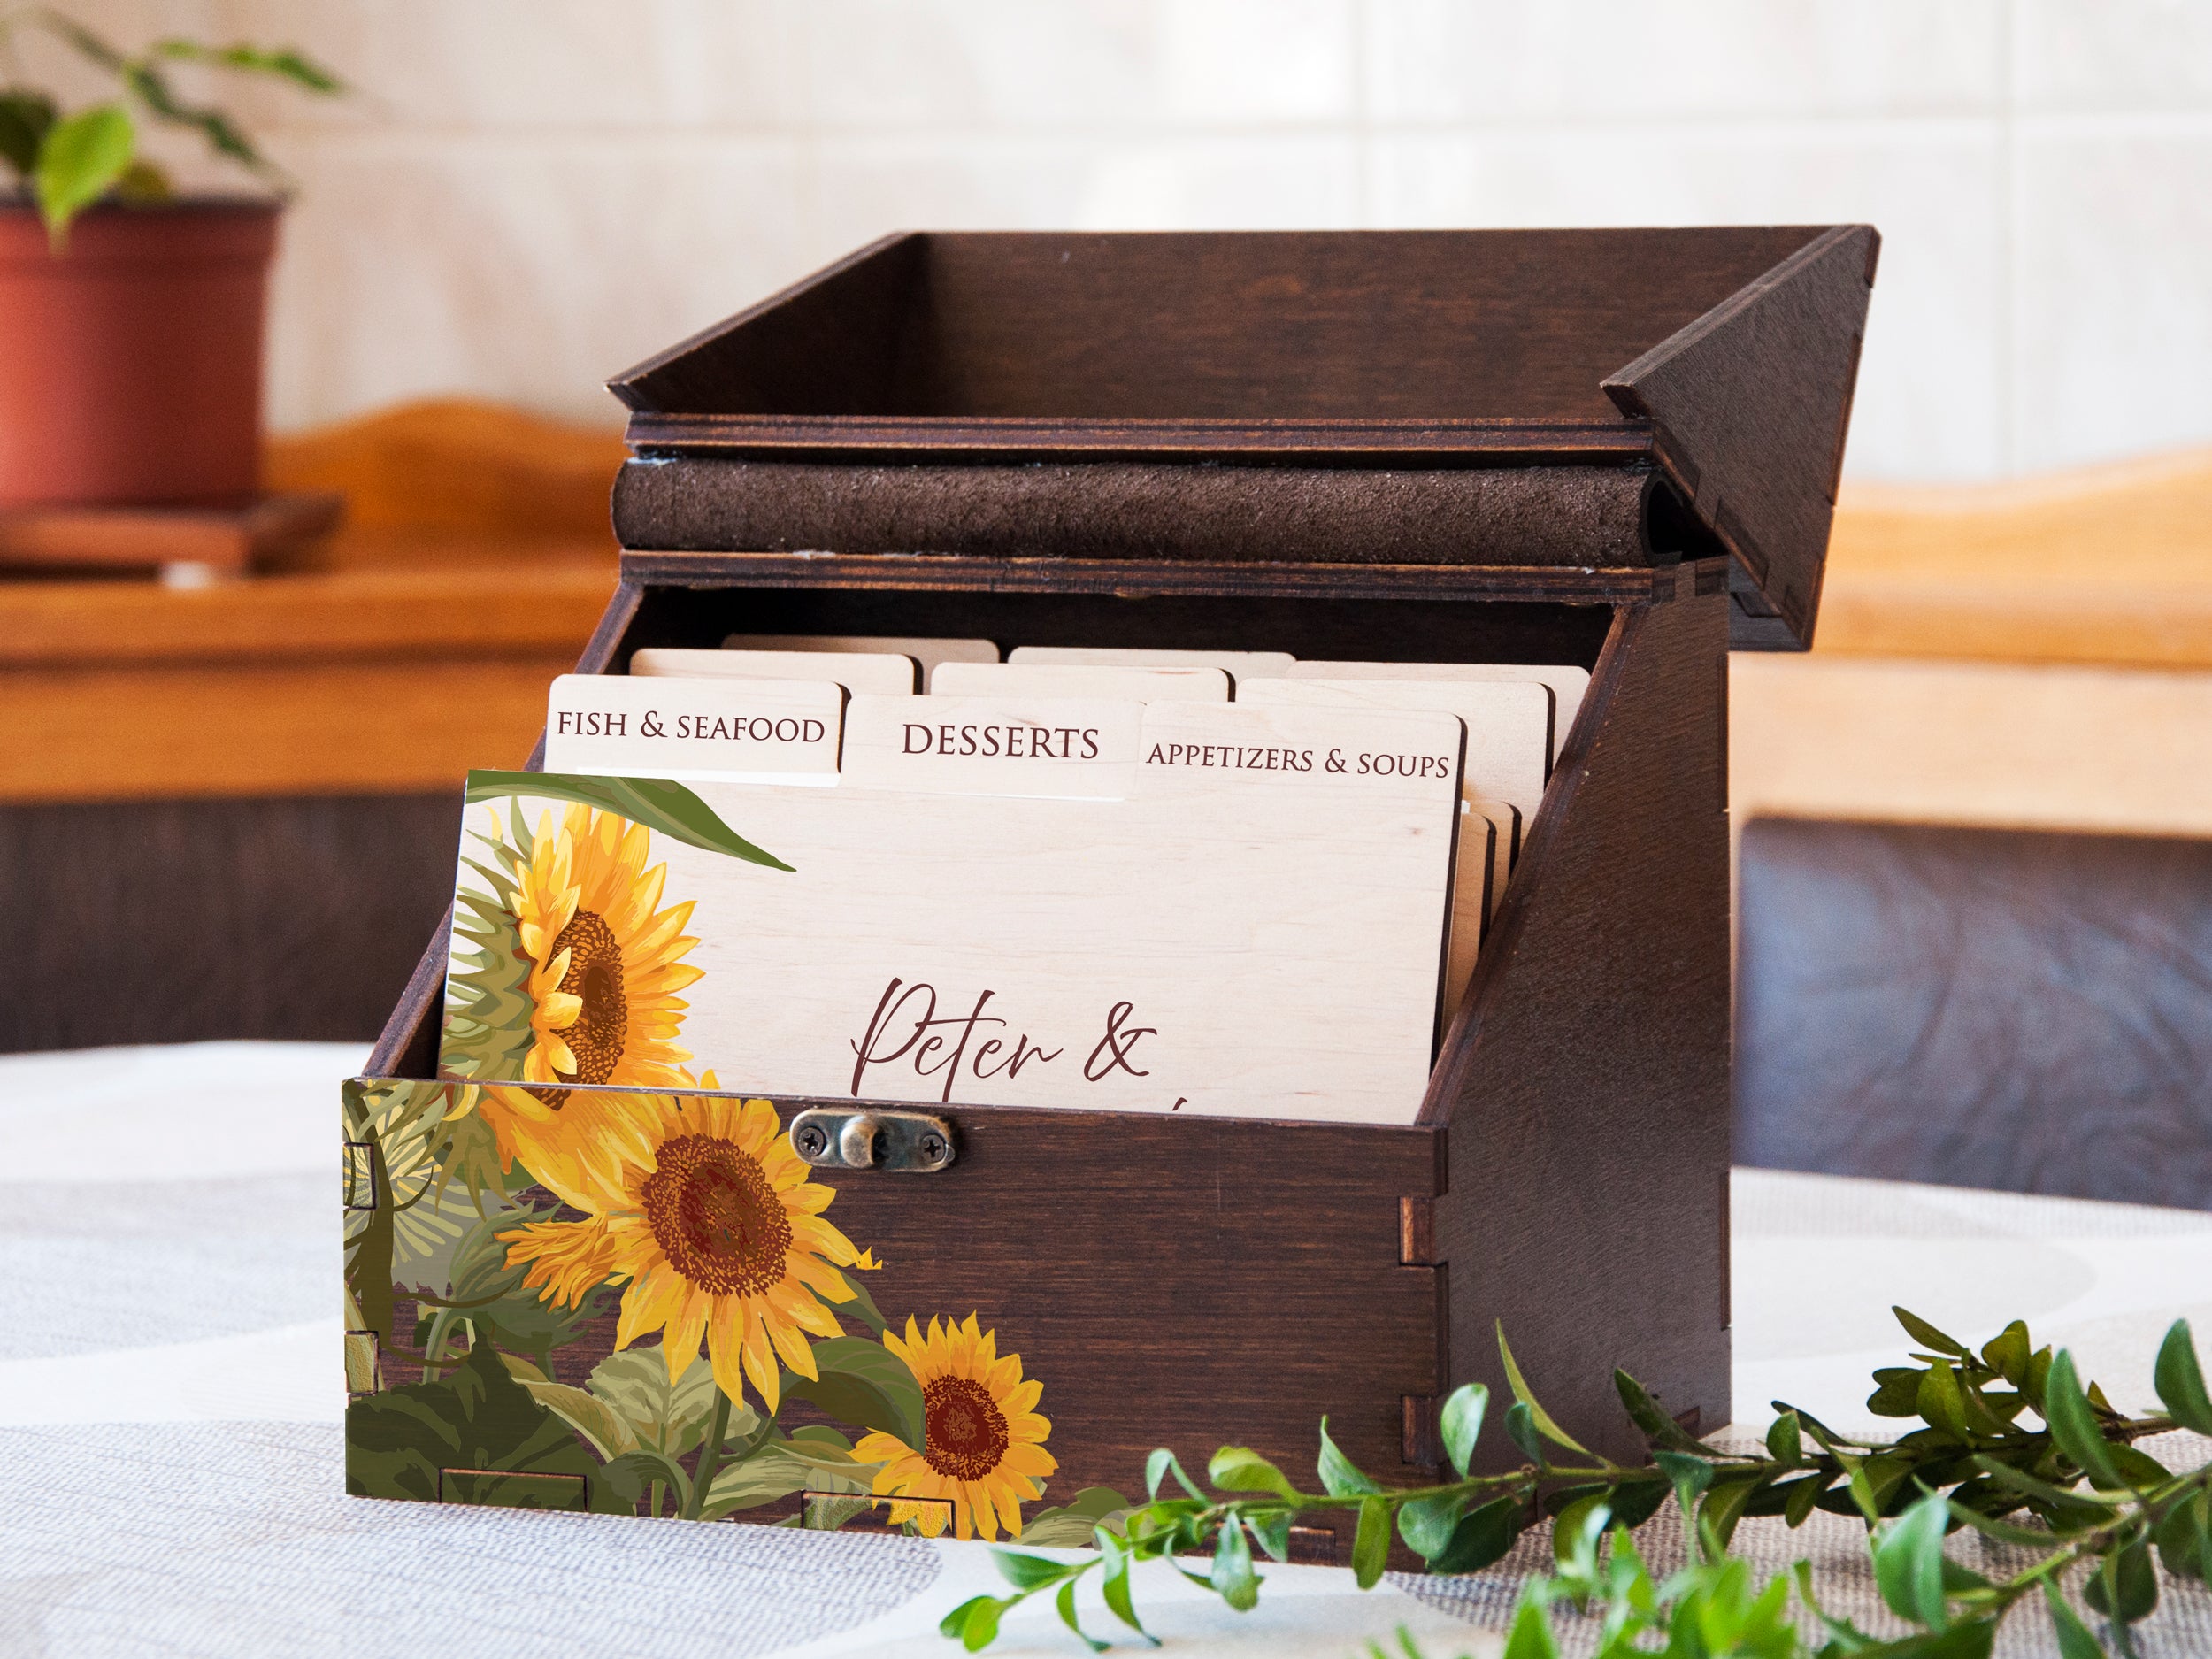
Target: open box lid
x=1723, y=358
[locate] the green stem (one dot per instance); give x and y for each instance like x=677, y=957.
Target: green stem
x=710, y=1456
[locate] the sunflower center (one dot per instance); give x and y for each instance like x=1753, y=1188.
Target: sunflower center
x=595, y=974
x=964, y=1431
x=716, y=1216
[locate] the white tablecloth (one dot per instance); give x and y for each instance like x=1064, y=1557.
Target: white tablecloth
x=169, y=1403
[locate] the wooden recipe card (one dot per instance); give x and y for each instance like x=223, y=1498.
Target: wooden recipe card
x=927, y=651
x=1256, y=929
x=881, y=674
x=1568, y=682
x=1239, y=663
x=620, y=724
x=1081, y=679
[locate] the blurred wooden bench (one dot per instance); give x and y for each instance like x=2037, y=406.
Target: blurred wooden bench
x=230, y=810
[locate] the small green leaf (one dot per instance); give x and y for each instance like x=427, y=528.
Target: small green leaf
x=1938, y=1401
x=1545, y=1426
x=1232, y=1576
x=1428, y=1524
x=2028, y=1486
x=1909, y=1562
x=25, y=117
x=2007, y=1352
x=2125, y=1587
x=1481, y=1537
x=1162, y=1463
x=1689, y=1475
x=82, y=155
x=1724, y=1506
x=2184, y=1537
x=1530, y=1636
x=1272, y=1532
x=1030, y=1572
x=1798, y=1507
x=980, y=1629
x=954, y=1625
x=283, y=62
x=1340, y=1477
x=1568, y=1526
x=1928, y=1336
x=1461, y=1423
x=1520, y=1428
x=1070, y=1526
x=1786, y=1443
x=862, y=1382
x=1065, y=1602
x=1371, y=1544
x=1896, y=1392
x=2074, y=1425
x=1114, y=1582
x=1645, y=1412
x=2180, y=1382
x=2074, y=1639
x=1240, y=1469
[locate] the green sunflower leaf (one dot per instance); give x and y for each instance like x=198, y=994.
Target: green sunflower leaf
x=670, y=1417
x=866, y=1383
x=1072, y=1525
x=657, y=803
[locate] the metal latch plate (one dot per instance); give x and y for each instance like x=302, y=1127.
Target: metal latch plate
x=869, y=1138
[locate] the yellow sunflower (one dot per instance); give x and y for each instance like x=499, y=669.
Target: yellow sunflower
x=604, y=962
x=983, y=1452
x=709, y=1214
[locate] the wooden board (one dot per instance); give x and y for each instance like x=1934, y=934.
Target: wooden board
x=884, y=674
x=266, y=531
x=1243, y=936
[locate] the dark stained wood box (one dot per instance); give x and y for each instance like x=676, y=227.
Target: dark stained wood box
x=1616, y=449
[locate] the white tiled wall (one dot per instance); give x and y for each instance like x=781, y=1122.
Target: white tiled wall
x=530, y=195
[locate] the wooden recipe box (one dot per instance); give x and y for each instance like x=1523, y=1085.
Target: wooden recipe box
x=1613, y=448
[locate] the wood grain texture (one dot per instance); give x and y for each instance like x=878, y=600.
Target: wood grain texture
x=1575, y=516
x=180, y=921
x=1586, y=1076
x=1169, y=1282
x=1754, y=399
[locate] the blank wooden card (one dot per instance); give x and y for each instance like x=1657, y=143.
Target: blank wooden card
x=927, y=651
x=881, y=674
x=1567, y=683
x=1239, y=663
x=1081, y=679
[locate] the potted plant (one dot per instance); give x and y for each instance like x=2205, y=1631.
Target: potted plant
x=130, y=315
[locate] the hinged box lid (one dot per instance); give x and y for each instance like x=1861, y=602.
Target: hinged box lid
x=1723, y=357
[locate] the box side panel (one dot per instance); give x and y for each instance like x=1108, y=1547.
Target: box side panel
x=1587, y=1082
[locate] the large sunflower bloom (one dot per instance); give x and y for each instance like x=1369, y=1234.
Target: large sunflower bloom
x=604, y=962
x=711, y=1218
x=983, y=1451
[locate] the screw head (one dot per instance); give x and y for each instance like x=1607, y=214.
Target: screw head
x=933, y=1147
x=811, y=1139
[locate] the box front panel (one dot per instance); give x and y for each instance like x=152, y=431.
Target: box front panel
x=603, y=1300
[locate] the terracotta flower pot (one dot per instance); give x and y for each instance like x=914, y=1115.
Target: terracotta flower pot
x=130, y=365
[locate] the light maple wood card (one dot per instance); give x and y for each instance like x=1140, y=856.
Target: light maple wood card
x=1506, y=723
x=1232, y=939
x=1081, y=679
x=927, y=651
x=1238, y=664
x=1071, y=748
x=879, y=673
x=622, y=726
x=1476, y=876
x=1568, y=682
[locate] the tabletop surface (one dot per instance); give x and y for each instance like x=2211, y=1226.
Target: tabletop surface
x=170, y=1406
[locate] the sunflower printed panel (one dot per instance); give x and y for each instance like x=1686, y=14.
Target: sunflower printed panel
x=644, y=1303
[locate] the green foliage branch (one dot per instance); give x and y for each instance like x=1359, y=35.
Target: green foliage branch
x=68, y=162
x=2070, y=1487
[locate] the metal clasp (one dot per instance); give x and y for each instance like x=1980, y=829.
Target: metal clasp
x=867, y=1138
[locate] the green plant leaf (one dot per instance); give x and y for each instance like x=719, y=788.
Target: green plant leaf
x=1030, y=1572
x=2074, y=1425
x=1785, y=1442
x=1689, y=1475
x=2009, y=1351
x=1896, y=1392
x=862, y=1382
x=1232, y=1576
x=1113, y=1583
x=2125, y=1587
x=1939, y=1399
x=1541, y=1418
x=1520, y=1428
x=2073, y=1637
x=1530, y=1636
x=1482, y=1537
x=1163, y=1463
x=2184, y=1537
x=1428, y=1525
x=2029, y=1487
x=1724, y=1506
x=1568, y=1525
x=589, y=1415
x=1797, y=1507
x=25, y=117
x=1460, y=1422
x=1065, y=1602
x=2180, y=1381
x=284, y=63
x=1928, y=1336
x=978, y=1621
x=1909, y=1562
x=657, y=803
x=1371, y=1544
x=1240, y=1469
x=1340, y=1477
x=1646, y=1413
x=82, y=155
